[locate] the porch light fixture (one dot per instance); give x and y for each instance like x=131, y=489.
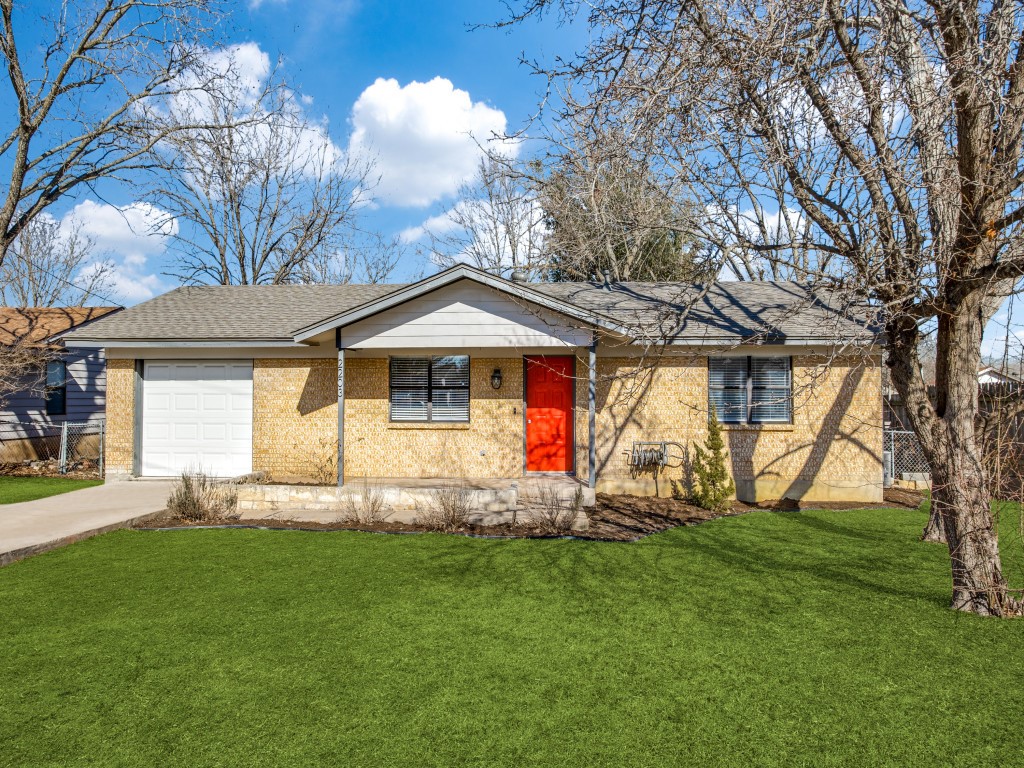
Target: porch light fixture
x=496, y=378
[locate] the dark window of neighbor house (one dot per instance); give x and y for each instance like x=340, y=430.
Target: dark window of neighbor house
x=751, y=390
x=56, y=388
x=430, y=388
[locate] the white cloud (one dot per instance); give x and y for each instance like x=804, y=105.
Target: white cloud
x=131, y=234
x=435, y=225
x=244, y=66
x=272, y=119
x=123, y=284
x=425, y=138
x=125, y=238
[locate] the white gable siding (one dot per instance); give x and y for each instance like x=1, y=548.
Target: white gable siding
x=464, y=314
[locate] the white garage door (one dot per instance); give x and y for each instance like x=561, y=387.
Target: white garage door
x=197, y=414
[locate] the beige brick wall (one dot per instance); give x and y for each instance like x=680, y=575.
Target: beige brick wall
x=831, y=451
x=295, y=419
x=120, y=428
x=491, y=445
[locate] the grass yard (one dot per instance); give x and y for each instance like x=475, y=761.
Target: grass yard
x=15, y=489
x=788, y=639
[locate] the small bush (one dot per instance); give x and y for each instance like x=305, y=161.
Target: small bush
x=448, y=509
x=323, y=461
x=712, y=484
x=198, y=498
x=552, y=513
x=368, y=507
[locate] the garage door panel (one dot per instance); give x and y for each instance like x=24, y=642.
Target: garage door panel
x=160, y=431
x=197, y=415
x=159, y=402
x=188, y=403
x=215, y=432
x=182, y=432
x=157, y=372
x=215, y=402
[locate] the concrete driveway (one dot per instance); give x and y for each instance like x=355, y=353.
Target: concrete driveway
x=36, y=526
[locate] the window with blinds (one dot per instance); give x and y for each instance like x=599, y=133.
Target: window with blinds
x=755, y=390
x=430, y=388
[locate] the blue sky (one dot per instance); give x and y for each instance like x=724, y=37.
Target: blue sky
x=409, y=79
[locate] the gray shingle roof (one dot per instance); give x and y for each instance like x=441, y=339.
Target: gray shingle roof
x=723, y=312
x=231, y=312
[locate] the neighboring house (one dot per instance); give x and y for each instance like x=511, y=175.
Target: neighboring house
x=69, y=384
x=989, y=375
x=468, y=375
x=993, y=385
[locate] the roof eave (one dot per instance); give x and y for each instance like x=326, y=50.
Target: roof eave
x=786, y=341
x=151, y=343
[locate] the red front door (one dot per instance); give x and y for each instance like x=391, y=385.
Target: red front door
x=549, y=399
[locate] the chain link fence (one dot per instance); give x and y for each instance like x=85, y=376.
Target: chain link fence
x=52, y=448
x=904, y=459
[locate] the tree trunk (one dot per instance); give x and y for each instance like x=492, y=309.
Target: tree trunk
x=960, y=499
x=960, y=493
x=934, y=530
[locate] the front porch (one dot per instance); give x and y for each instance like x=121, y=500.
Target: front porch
x=493, y=500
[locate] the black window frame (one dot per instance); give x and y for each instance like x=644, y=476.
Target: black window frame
x=431, y=388
x=748, y=417
x=55, y=397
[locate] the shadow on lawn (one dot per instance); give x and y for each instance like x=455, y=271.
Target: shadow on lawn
x=784, y=555
x=829, y=527
x=820, y=562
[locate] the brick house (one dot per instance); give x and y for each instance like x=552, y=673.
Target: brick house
x=468, y=375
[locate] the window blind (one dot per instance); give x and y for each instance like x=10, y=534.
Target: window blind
x=750, y=389
x=770, y=389
x=727, y=388
x=430, y=388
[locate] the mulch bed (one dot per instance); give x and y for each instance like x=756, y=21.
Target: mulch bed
x=612, y=518
x=85, y=470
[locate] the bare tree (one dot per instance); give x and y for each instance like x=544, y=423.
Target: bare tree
x=367, y=257
x=497, y=223
x=888, y=135
x=80, y=73
x=260, y=192
x=51, y=264
x=606, y=211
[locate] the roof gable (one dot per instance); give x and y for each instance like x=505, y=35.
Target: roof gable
x=447, y=277
x=458, y=315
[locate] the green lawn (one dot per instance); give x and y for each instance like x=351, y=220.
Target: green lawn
x=789, y=639
x=15, y=489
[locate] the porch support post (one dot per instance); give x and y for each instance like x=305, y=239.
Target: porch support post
x=341, y=407
x=592, y=413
